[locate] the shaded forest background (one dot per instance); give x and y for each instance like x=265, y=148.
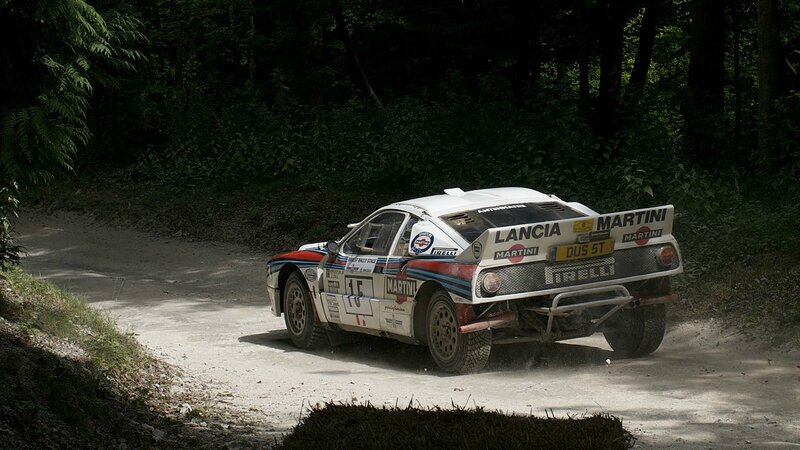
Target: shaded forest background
x=615, y=102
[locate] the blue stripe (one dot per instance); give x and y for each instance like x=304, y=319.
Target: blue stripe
x=276, y=265
x=447, y=282
x=438, y=275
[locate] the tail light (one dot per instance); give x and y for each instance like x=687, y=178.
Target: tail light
x=490, y=283
x=665, y=256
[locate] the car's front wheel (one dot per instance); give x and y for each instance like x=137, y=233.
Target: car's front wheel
x=298, y=313
x=637, y=332
x=451, y=350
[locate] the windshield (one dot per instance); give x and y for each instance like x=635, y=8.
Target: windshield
x=470, y=224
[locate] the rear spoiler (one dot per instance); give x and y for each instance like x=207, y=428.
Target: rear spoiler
x=531, y=242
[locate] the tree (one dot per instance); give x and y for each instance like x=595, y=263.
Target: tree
x=615, y=15
x=341, y=26
x=769, y=73
x=63, y=47
x=644, y=50
x=582, y=34
x=704, y=106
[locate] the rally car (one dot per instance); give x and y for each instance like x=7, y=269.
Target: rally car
x=462, y=271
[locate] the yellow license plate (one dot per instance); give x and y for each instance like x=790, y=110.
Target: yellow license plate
x=581, y=251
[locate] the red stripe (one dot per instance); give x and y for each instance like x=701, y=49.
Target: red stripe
x=302, y=255
x=463, y=271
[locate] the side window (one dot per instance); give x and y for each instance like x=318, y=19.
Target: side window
x=402, y=244
x=376, y=236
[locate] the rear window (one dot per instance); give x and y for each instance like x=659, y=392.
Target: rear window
x=470, y=224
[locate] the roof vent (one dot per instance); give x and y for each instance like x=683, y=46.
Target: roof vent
x=552, y=206
x=460, y=218
x=455, y=192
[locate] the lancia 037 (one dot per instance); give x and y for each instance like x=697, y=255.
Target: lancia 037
x=463, y=271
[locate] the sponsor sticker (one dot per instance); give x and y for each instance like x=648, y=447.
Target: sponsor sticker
x=516, y=253
x=422, y=242
x=537, y=231
x=399, y=286
x=333, y=308
x=583, y=226
x=311, y=275
x=333, y=285
x=444, y=251
x=500, y=208
x=579, y=272
x=393, y=322
x=361, y=263
x=332, y=273
x=477, y=249
x=642, y=235
x=395, y=308
x=631, y=219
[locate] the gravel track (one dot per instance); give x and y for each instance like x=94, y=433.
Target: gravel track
x=202, y=306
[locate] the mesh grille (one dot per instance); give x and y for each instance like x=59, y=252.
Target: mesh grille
x=541, y=275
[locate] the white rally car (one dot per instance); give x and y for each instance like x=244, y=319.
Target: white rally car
x=462, y=271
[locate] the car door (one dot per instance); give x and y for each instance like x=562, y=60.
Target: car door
x=354, y=278
x=398, y=301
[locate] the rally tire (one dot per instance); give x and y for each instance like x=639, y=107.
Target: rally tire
x=452, y=351
x=640, y=331
x=298, y=314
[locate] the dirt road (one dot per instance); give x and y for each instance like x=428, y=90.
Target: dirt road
x=201, y=306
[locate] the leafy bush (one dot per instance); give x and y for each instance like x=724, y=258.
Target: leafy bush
x=9, y=252
x=413, y=144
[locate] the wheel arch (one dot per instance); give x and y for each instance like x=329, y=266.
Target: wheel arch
x=283, y=276
x=424, y=294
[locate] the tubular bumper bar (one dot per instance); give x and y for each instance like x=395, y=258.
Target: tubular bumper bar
x=619, y=297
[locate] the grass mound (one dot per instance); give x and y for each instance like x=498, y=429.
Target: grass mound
x=70, y=379
x=338, y=426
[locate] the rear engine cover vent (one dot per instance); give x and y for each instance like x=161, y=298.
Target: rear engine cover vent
x=551, y=206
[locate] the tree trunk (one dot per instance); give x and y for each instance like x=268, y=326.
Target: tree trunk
x=769, y=75
x=703, y=110
x=644, y=51
x=527, y=15
x=583, y=52
x=251, y=44
x=737, y=74
x=611, y=39
x=535, y=42
x=350, y=48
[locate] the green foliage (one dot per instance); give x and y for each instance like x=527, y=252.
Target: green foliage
x=414, y=144
x=74, y=44
x=68, y=44
x=785, y=126
x=9, y=203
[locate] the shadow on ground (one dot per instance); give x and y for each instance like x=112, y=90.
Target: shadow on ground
x=393, y=355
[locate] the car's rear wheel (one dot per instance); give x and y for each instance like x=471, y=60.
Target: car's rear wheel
x=451, y=350
x=298, y=314
x=637, y=332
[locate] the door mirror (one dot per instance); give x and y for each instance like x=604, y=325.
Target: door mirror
x=332, y=247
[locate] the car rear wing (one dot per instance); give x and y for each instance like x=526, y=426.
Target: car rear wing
x=551, y=240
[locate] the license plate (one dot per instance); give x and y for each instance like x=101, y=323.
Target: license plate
x=572, y=252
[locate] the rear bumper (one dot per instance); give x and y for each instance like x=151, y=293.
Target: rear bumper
x=615, y=296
